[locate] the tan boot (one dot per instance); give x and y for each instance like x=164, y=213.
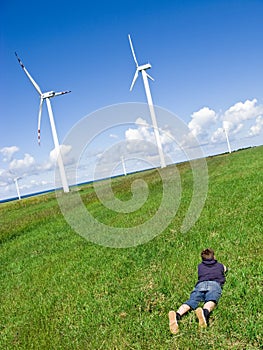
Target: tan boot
x=201, y=317
x=173, y=324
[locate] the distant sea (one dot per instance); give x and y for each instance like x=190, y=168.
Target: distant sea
x=26, y=196
x=50, y=190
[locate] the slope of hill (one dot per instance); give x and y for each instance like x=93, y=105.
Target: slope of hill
x=60, y=291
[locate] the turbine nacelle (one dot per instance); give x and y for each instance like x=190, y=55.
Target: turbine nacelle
x=141, y=69
x=51, y=94
x=17, y=178
x=48, y=94
x=144, y=67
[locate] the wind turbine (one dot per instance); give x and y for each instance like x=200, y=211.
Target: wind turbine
x=46, y=96
x=123, y=166
x=145, y=77
x=226, y=127
x=17, y=187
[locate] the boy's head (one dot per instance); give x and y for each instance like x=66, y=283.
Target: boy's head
x=207, y=254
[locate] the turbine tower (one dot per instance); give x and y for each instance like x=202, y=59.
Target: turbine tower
x=145, y=77
x=46, y=96
x=123, y=166
x=17, y=187
x=226, y=127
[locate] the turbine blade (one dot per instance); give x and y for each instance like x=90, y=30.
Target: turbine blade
x=39, y=120
x=29, y=76
x=132, y=49
x=149, y=77
x=134, y=79
x=62, y=93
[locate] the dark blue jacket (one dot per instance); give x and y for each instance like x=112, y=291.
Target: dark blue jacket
x=211, y=270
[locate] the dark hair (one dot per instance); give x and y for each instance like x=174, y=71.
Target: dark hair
x=207, y=254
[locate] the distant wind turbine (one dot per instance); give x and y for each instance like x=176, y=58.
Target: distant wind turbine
x=226, y=128
x=145, y=77
x=46, y=96
x=123, y=166
x=17, y=187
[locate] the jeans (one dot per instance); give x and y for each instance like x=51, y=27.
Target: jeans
x=204, y=292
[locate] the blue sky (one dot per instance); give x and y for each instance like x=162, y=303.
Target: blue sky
x=206, y=59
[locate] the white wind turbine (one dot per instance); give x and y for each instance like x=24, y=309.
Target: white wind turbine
x=17, y=187
x=226, y=128
x=123, y=165
x=145, y=77
x=46, y=96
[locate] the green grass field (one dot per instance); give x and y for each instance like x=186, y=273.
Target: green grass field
x=59, y=291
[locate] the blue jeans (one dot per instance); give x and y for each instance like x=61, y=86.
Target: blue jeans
x=204, y=292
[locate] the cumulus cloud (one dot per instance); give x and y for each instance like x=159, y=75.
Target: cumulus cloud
x=240, y=112
x=139, y=146
x=218, y=135
x=65, y=152
x=256, y=129
x=34, y=184
x=145, y=132
x=201, y=121
x=26, y=167
x=8, y=152
x=234, y=120
x=16, y=168
x=5, y=177
x=23, y=165
x=226, y=125
x=141, y=132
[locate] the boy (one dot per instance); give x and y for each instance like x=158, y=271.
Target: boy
x=208, y=289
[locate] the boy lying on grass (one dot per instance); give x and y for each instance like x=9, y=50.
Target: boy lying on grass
x=208, y=289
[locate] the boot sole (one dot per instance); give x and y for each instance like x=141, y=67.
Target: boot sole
x=201, y=318
x=173, y=322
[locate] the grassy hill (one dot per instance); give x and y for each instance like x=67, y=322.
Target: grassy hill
x=59, y=291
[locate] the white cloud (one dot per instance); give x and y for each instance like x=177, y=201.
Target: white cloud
x=8, y=152
x=34, y=184
x=65, y=152
x=218, y=136
x=234, y=120
x=240, y=112
x=139, y=146
x=5, y=177
x=141, y=122
x=133, y=134
x=142, y=133
x=145, y=132
x=226, y=125
x=23, y=165
x=64, y=149
x=238, y=128
x=26, y=167
x=256, y=129
x=201, y=121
